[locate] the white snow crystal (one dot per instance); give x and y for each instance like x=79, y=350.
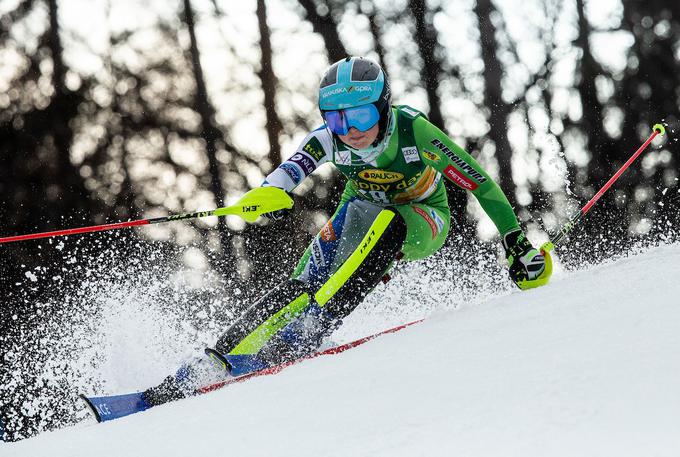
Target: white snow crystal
x=31, y=276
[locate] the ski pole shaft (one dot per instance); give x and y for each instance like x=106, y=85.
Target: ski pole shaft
x=250, y=206
x=658, y=129
x=105, y=227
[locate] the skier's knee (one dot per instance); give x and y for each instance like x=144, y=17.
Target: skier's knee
x=383, y=244
x=265, y=309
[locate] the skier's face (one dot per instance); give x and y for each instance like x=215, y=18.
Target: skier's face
x=357, y=139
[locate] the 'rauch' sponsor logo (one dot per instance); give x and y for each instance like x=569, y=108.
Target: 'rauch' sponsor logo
x=380, y=176
x=388, y=186
x=463, y=165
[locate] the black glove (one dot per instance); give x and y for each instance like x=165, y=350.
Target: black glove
x=525, y=261
x=277, y=215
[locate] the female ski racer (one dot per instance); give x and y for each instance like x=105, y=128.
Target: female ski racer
x=394, y=206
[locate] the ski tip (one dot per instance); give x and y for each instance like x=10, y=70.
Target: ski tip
x=660, y=129
x=91, y=407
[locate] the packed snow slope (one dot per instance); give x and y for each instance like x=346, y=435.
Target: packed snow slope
x=587, y=366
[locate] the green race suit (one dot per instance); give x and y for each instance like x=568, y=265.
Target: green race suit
x=406, y=177
x=393, y=205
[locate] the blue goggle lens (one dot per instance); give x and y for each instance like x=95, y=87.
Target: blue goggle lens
x=361, y=117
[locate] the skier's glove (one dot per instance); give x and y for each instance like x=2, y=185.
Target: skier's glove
x=525, y=261
x=276, y=215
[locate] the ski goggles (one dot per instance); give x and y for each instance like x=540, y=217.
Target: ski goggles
x=360, y=117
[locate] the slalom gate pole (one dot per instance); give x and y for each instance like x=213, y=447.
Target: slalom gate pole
x=252, y=205
x=658, y=129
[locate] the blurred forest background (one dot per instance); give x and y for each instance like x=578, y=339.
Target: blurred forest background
x=131, y=109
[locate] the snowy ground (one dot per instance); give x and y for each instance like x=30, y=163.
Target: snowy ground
x=587, y=366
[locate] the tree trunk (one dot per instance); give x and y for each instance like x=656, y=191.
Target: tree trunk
x=644, y=98
x=368, y=9
x=328, y=29
x=325, y=26
x=432, y=69
x=591, y=122
x=58, y=71
x=70, y=189
x=431, y=72
x=610, y=219
x=209, y=131
x=269, y=84
x=493, y=98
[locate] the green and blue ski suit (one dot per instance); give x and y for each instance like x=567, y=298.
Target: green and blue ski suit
x=394, y=206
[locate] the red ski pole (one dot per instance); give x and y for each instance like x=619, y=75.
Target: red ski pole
x=253, y=204
x=568, y=227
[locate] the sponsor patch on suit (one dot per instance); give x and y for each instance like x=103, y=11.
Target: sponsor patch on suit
x=305, y=162
x=410, y=154
x=343, y=157
x=428, y=218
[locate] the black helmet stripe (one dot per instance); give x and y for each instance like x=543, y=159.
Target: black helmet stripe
x=364, y=70
x=331, y=76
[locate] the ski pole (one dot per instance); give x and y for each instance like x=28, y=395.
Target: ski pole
x=252, y=205
x=548, y=246
x=658, y=129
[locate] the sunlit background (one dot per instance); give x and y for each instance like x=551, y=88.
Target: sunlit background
x=112, y=111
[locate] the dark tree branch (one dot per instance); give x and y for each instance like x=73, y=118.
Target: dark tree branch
x=269, y=85
x=210, y=133
x=499, y=110
x=325, y=25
